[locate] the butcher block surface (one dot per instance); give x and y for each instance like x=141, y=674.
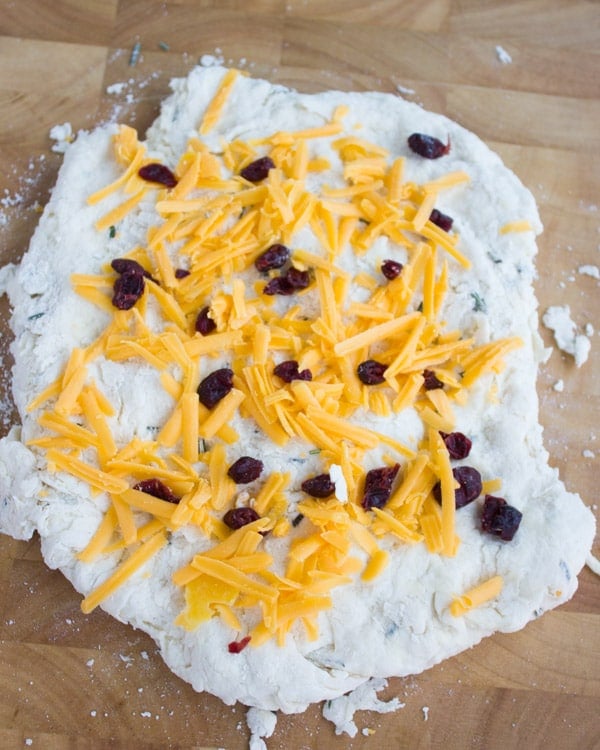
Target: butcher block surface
x=525, y=76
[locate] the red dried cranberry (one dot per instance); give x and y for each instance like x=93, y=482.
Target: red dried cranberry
x=378, y=486
x=500, y=518
x=128, y=265
x=320, y=486
x=275, y=256
x=238, y=517
x=158, y=489
x=278, y=285
x=443, y=221
x=428, y=146
x=215, y=386
x=431, y=383
x=288, y=371
x=258, y=170
x=370, y=372
x=288, y=282
x=205, y=324
x=298, y=279
x=245, y=469
x=469, y=489
x=458, y=445
x=236, y=646
x=391, y=269
x=128, y=288
x=181, y=273
x=158, y=173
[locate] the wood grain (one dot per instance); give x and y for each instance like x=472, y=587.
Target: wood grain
x=73, y=681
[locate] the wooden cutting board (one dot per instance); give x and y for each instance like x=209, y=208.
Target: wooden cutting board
x=69, y=680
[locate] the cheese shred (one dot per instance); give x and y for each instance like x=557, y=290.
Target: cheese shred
x=220, y=224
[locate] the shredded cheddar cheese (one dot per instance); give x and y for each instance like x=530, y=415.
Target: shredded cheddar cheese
x=477, y=596
x=219, y=224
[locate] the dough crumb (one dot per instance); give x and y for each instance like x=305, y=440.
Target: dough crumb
x=261, y=723
x=503, y=55
x=590, y=270
x=425, y=710
x=559, y=386
x=558, y=319
x=340, y=711
x=209, y=61
x=116, y=88
x=587, y=453
x=63, y=135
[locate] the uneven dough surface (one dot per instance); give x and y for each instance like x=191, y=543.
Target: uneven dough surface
x=399, y=622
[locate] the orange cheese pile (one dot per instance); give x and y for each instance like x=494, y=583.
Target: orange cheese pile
x=221, y=223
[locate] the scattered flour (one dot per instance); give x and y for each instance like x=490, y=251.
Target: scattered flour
x=425, y=710
x=404, y=90
x=341, y=710
x=503, y=55
x=588, y=453
x=559, y=386
x=261, y=723
x=558, y=319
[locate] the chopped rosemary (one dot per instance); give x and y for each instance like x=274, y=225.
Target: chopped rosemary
x=135, y=53
x=164, y=46
x=112, y=231
x=479, y=304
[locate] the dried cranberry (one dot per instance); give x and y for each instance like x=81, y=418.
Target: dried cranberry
x=378, y=486
x=236, y=646
x=275, y=256
x=320, y=486
x=288, y=282
x=443, y=221
x=238, y=517
x=258, y=170
x=128, y=288
x=298, y=279
x=215, y=386
x=469, y=489
x=458, y=445
x=205, y=324
x=288, y=371
x=500, y=518
x=391, y=269
x=278, y=285
x=431, y=382
x=245, y=469
x=428, y=146
x=128, y=265
x=158, y=489
x=181, y=273
x=158, y=173
x=370, y=372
